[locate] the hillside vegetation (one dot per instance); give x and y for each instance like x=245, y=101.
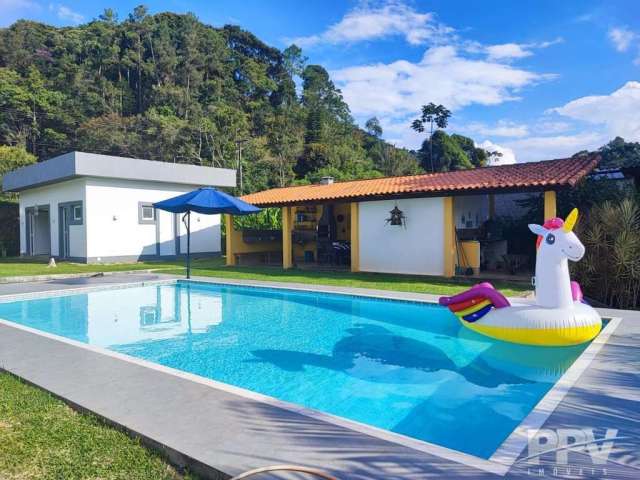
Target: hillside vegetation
x=168, y=87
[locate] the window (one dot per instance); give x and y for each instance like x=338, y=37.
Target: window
x=77, y=213
x=73, y=212
x=146, y=213
x=149, y=316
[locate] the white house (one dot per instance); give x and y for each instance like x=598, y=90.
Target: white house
x=98, y=208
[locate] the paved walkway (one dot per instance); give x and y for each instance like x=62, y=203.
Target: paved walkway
x=219, y=431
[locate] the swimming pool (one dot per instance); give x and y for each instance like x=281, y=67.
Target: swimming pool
x=406, y=367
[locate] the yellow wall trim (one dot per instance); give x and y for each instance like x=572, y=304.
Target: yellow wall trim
x=549, y=205
x=449, y=238
x=287, y=227
x=355, y=237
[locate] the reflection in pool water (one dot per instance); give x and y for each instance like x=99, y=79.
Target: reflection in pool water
x=405, y=367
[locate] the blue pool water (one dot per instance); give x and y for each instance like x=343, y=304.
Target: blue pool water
x=406, y=367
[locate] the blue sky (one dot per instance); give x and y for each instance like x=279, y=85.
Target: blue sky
x=536, y=80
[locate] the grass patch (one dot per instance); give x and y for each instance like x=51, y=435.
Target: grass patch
x=404, y=283
x=215, y=267
x=42, y=438
x=11, y=267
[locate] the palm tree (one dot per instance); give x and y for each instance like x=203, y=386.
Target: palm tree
x=431, y=114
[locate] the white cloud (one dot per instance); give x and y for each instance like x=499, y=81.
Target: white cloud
x=502, y=128
x=12, y=10
x=15, y=4
x=617, y=112
x=513, y=51
x=398, y=131
x=65, y=13
x=507, y=157
x=605, y=117
x=442, y=76
x=507, y=50
x=547, y=127
x=365, y=22
x=586, y=17
x=622, y=38
x=560, y=146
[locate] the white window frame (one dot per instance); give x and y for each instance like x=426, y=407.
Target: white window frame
x=76, y=217
x=145, y=220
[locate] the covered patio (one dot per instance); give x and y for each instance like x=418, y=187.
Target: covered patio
x=431, y=224
x=313, y=235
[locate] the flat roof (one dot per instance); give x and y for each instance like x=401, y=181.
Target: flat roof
x=532, y=176
x=81, y=164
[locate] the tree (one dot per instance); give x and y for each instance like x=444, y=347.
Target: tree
x=373, y=127
x=285, y=140
x=111, y=134
x=478, y=156
x=294, y=61
x=329, y=128
x=620, y=154
x=443, y=154
x=392, y=161
x=12, y=158
x=431, y=114
x=169, y=87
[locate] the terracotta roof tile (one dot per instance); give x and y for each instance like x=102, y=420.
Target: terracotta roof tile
x=549, y=174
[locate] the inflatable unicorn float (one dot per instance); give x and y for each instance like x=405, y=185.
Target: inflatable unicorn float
x=558, y=316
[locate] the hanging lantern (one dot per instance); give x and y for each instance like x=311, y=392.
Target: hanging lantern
x=397, y=218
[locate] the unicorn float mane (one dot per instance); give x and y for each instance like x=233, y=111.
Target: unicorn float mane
x=557, y=223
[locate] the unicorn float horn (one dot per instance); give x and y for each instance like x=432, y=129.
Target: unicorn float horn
x=570, y=221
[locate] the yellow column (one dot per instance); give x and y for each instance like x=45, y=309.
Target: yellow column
x=287, y=226
x=449, y=238
x=355, y=237
x=549, y=204
x=231, y=258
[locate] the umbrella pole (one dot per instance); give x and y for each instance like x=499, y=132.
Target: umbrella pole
x=189, y=244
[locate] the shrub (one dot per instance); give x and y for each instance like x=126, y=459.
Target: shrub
x=610, y=270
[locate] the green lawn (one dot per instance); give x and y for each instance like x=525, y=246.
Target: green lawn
x=42, y=438
x=215, y=268
x=10, y=267
x=383, y=281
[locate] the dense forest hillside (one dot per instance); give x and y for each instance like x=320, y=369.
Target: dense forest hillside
x=168, y=87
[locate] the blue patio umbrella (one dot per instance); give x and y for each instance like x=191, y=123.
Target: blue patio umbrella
x=207, y=201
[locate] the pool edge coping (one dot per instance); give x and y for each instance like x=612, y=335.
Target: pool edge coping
x=500, y=461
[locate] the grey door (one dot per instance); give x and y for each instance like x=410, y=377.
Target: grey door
x=30, y=233
x=65, y=215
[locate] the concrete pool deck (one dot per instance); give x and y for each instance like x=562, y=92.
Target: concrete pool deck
x=218, y=430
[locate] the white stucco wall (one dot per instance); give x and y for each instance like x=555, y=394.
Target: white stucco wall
x=416, y=249
x=113, y=228
x=470, y=211
x=52, y=195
